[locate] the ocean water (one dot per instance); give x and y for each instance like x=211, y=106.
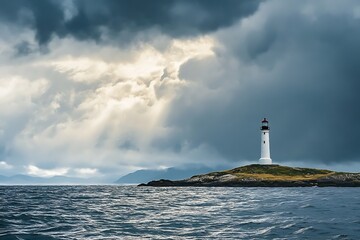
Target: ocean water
x=129, y=212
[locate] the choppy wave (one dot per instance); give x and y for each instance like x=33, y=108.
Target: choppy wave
x=129, y=212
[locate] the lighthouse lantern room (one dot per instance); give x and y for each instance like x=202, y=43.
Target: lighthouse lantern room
x=265, y=143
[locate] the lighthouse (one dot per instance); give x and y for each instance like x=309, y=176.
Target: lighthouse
x=265, y=143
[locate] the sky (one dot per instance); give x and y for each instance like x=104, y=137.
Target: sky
x=98, y=89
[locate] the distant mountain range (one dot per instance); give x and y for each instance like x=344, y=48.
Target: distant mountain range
x=26, y=179
x=140, y=176
x=172, y=173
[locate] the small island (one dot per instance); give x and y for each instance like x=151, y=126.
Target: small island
x=259, y=175
x=266, y=174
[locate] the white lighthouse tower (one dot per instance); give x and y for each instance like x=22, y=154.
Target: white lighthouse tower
x=265, y=143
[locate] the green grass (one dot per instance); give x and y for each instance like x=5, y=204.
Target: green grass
x=276, y=172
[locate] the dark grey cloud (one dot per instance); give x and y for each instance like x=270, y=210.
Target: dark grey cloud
x=91, y=19
x=46, y=17
x=300, y=70
x=295, y=62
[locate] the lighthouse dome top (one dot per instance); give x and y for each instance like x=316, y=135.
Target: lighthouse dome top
x=265, y=124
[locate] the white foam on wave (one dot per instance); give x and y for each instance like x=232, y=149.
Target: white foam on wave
x=288, y=226
x=302, y=230
x=265, y=230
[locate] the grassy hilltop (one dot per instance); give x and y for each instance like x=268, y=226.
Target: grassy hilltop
x=276, y=172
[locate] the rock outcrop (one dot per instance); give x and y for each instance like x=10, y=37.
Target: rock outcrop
x=257, y=175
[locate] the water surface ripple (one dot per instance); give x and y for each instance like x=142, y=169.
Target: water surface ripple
x=129, y=212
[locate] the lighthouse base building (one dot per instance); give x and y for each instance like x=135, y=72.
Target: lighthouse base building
x=265, y=161
x=265, y=143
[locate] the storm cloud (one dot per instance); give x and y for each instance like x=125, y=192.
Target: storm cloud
x=101, y=20
x=102, y=88
x=297, y=64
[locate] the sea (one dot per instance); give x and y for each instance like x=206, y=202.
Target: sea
x=130, y=212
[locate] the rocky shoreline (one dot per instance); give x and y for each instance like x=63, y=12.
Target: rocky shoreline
x=265, y=176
